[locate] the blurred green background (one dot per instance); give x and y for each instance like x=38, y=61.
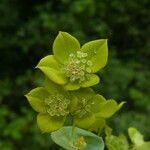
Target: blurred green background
x=27, y=31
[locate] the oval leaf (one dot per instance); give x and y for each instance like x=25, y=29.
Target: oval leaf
x=54, y=75
x=48, y=124
x=64, y=45
x=36, y=99
x=49, y=61
x=63, y=137
x=97, y=53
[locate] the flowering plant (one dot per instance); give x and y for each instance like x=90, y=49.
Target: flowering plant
x=66, y=102
x=73, y=66
x=54, y=104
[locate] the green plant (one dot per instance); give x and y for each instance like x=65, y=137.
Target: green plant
x=121, y=142
x=26, y=36
x=72, y=66
x=82, y=106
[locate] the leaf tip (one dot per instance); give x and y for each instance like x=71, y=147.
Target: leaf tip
x=36, y=67
x=26, y=95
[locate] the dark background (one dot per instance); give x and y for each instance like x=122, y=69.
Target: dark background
x=27, y=31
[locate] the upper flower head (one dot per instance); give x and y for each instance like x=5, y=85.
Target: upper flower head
x=73, y=66
x=77, y=68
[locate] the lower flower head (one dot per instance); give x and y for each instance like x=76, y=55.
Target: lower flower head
x=84, y=107
x=57, y=105
x=54, y=103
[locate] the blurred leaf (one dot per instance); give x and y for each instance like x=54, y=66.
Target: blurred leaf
x=135, y=136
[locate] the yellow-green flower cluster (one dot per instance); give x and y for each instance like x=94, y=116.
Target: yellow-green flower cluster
x=56, y=105
x=77, y=67
x=66, y=92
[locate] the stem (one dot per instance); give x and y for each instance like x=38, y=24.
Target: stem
x=99, y=132
x=72, y=133
x=73, y=128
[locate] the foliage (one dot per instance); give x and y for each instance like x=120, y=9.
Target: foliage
x=72, y=66
x=82, y=139
x=27, y=28
x=121, y=142
x=54, y=102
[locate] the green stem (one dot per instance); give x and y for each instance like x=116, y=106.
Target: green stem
x=72, y=133
x=99, y=132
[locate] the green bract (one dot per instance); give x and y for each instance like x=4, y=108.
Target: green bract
x=106, y=107
x=66, y=93
x=121, y=143
x=78, y=140
x=115, y=142
x=52, y=103
x=90, y=110
x=138, y=140
x=73, y=66
x=103, y=109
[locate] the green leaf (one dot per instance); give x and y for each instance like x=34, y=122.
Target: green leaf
x=54, y=88
x=98, y=125
x=85, y=122
x=71, y=86
x=138, y=140
x=109, y=108
x=46, y=123
x=36, y=99
x=86, y=93
x=144, y=146
x=92, y=80
x=117, y=143
x=99, y=102
x=73, y=104
x=108, y=131
x=51, y=86
x=64, y=45
x=54, y=75
x=135, y=136
x=49, y=61
x=68, y=141
x=51, y=68
x=97, y=53
x=125, y=142
x=120, y=105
